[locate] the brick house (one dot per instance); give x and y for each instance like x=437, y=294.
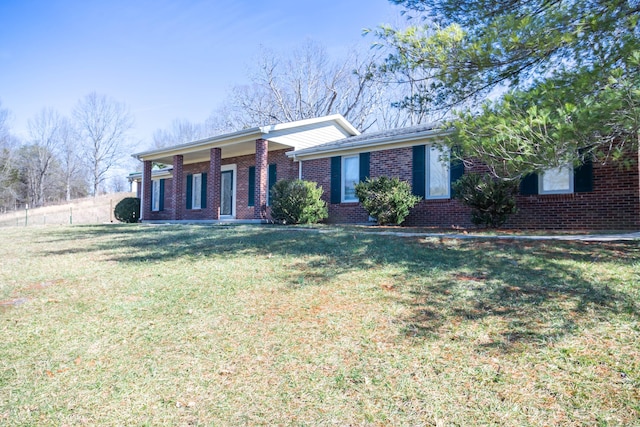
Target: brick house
x=228, y=176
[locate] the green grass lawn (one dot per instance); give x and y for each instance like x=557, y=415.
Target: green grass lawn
x=124, y=325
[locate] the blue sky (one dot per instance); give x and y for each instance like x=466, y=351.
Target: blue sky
x=164, y=59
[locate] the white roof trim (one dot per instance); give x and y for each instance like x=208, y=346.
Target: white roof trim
x=375, y=144
x=244, y=135
x=335, y=117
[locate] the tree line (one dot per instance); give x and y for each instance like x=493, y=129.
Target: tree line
x=61, y=157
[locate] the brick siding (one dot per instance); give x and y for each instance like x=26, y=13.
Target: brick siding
x=285, y=169
x=614, y=203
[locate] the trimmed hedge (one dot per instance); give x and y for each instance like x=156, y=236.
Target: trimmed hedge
x=388, y=200
x=128, y=210
x=297, y=202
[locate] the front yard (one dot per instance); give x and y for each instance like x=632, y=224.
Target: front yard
x=246, y=325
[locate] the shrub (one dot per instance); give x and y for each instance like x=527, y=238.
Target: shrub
x=491, y=200
x=128, y=210
x=388, y=200
x=294, y=201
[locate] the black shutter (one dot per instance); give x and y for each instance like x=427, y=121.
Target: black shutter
x=272, y=180
x=272, y=175
x=456, y=170
x=529, y=184
x=364, y=166
x=189, y=191
x=161, y=206
x=203, y=191
x=583, y=177
x=251, y=197
x=418, y=174
x=336, y=179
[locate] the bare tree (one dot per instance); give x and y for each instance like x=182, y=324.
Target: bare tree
x=181, y=131
x=305, y=84
x=103, y=125
x=70, y=159
x=44, y=134
x=8, y=173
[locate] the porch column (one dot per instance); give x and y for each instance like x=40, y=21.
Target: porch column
x=214, y=179
x=145, y=201
x=260, y=206
x=178, y=188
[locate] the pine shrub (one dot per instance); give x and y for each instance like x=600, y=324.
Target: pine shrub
x=128, y=210
x=491, y=200
x=388, y=200
x=297, y=202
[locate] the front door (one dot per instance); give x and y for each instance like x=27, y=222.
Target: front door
x=226, y=193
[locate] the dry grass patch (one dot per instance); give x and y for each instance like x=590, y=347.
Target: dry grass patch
x=240, y=325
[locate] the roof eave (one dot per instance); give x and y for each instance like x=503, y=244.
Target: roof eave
x=375, y=144
x=215, y=141
x=338, y=118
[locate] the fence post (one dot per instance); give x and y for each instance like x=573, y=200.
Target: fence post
x=26, y=214
x=70, y=215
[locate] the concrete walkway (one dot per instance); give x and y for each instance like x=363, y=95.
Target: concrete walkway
x=571, y=237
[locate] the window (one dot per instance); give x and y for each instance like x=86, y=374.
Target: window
x=438, y=179
x=556, y=181
x=196, y=194
x=155, y=195
x=346, y=172
x=350, y=177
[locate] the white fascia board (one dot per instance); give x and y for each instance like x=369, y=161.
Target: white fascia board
x=158, y=173
x=189, y=147
x=338, y=118
x=380, y=144
x=242, y=136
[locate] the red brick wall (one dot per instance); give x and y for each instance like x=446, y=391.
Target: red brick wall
x=614, y=203
x=285, y=169
x=167, y=213
x=177, y=189
x=145, y=202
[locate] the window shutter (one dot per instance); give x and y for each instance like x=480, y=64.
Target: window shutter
x=203, y=191
x=456, y=170
x=336, y=179
x=272, y=175
x=251, y=197
x=189, y=191
x=364, y=166
x=529, y=184
x=418, y=175
x=583, y=177
x=161, y=195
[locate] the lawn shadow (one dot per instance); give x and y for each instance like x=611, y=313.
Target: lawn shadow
x=521, y=292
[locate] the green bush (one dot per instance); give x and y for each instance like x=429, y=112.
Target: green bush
x=128, y=210
x=388, y=200
x=297, y=202
x=491, y=200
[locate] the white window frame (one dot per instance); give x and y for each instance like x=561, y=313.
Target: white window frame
x=343, y=178
x=440, y=153
x=155, y=195
x=569, y=190
x=234, y=199
x=196, y=191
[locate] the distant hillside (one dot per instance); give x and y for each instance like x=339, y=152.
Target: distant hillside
x=81, y=211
